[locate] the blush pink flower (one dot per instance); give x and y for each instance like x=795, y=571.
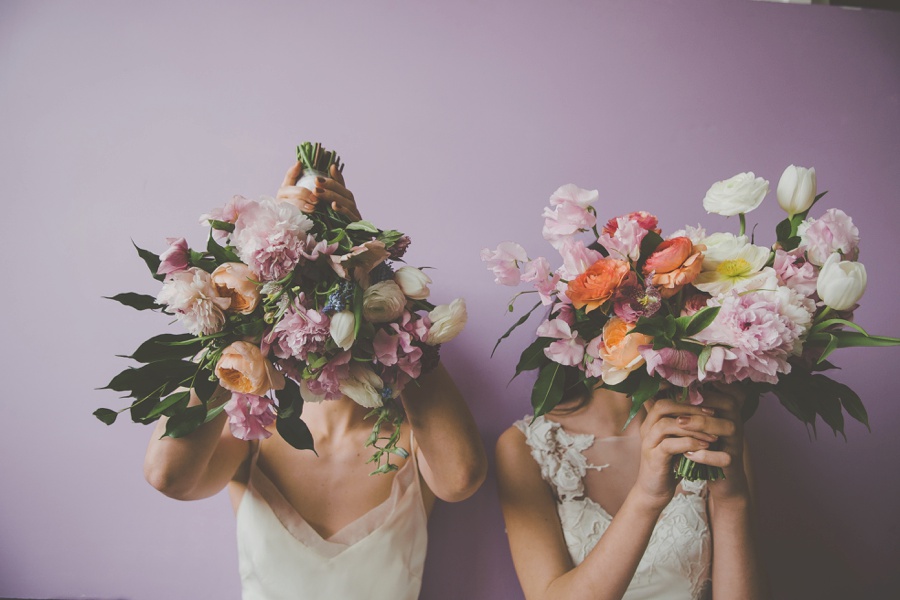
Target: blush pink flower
x=270, y=237
x=577, y=258
x=569, y=214
x=568, y=349
x=359, y=262
x=175, y=258
x=505, y=262
x=544, y=280
x=643, y=219
x=299, y=332
x=795, y=271
x=191, y=295
x=228, y=214
x=327, y=383
x=625, y=241
x=833, y=232
x=678, y=367
x=249, y=415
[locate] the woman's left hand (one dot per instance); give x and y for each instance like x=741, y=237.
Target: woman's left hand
x=330, y=190
x=728, y=451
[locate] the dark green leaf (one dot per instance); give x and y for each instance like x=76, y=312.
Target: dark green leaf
x=703, y=358
x=533, y=356
x=106, y=415
x=251, y=329
x=357, y=310
x=828, y=405
x=389, y=237
x=669, y=327
x=136, y=301
x=649, y=244
x=212, y=413
x=783, y=231
x=799, y=405
x=830, y=347
x=853, y=405
x=548, y=389
x=161, y=347
x=221, y=254
x=849, y=339
x=702, y=319
x=151, y=260
x=186, y=422
x=521, y=320
x=290, y=402
x=648, y=388
x=204, y=386
x=176, y=401
x=153, y=375
x=296, y=433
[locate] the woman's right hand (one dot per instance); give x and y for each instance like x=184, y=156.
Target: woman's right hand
x=330, y=190
x=663, y=438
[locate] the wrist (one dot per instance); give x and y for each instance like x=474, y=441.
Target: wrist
x=648, y=502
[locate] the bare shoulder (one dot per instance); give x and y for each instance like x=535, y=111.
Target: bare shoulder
x=515, y=465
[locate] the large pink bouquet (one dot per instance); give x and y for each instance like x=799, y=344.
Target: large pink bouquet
x=283, y=307
x=631, y=310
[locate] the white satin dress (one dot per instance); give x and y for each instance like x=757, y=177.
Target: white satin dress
x=380, y=556
x=677, y=562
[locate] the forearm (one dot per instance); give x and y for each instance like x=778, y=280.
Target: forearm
x=455, y=463
x=608, y=569
x=736, y=569
x=176, y=466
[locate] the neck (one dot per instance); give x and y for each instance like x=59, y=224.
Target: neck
x=335, y=418
x=606, y=413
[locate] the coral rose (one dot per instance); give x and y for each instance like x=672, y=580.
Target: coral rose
x=597, y=284
x=243, y=369
x=619, y=350
x=675, y=263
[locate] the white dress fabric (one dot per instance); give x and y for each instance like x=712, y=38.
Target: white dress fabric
x=677, y=562
x=379, y=556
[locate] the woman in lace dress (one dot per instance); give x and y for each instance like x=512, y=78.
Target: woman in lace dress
x=594, y=511
x=317, y=525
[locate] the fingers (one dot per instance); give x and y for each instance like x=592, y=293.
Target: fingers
x=669, y=408
x=713, y=458
x=666, y=428
x=293, y=175
x=336, y=174
x=300, y=197
x=340, y=198
x=674, y=446
x=706, y=424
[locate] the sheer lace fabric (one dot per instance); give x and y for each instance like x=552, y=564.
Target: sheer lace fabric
x=588, y=474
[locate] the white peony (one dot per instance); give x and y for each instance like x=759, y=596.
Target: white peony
x=191, y=295
x=737, y=195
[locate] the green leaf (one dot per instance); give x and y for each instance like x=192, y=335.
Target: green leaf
x=681, y=324
x=533, y=356
x=106, y=415
x=357, y=309
x=212, y=413
x=828, y=405
x=366, y=226
x=783, y=231
x=702, y=319
x=161, y=347
x=830, y=347
x=830, y=322
x=174, y=402
x=548, y=389
x=649, y=244
x=521, y=320
x=851, y=339
x=251, y=329
x=389, y=237
x=152, y=375
x=204, y=386
x=290, y=402
x=648, y=388
x=136, y=301
x=852, y=404
x=703, y=358
x=221, y=225
x=221, y=254
x=296, y=433
x=151, y=260
x=799, y=405
x=185, y=422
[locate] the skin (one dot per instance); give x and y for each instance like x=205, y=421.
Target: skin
x=334, y=488
x=666, y=430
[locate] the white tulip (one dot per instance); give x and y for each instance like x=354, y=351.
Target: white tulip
x=363, y=386
x=413, y=282
x=737, y=195
x=342, y=329
x=447, y=320
x=796, y=189
x=841, y=283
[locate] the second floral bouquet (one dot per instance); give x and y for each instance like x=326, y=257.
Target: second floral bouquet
x=283, y=307
x=632, y=310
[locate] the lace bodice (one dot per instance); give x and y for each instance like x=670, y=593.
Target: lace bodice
x=676, y=564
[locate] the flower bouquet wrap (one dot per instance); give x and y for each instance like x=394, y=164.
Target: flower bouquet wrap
x=639, y=313
x=283, y=308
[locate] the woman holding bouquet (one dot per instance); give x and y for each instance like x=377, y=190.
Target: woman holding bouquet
x=594, y=511
x=316, y=525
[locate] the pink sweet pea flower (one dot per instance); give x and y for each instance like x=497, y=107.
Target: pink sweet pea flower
x=249, y=415
x=569, y=215
x=505, y=262
x=176, y=257
x=569, y=349
x=625, y=241
x=577, y=258
x=538, y=271
x=678, y=367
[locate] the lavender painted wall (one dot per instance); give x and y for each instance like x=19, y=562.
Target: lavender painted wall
x=128, y=120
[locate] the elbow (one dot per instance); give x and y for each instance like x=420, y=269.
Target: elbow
x=167, y=482
x=464, y=483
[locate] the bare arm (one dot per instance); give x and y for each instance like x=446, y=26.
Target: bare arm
x=198, y=465
x=451, y=455
x=536, y=539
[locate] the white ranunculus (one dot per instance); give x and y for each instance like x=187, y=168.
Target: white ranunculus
x=413, y=282
x=342, y=329
x=363, y=386
x=796, y=189
x=383, y=302
x=841, y=283
x=740, y=194
x=727, y=246
x=447, y=320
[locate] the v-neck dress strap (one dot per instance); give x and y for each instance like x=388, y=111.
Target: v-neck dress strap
x=381, y=555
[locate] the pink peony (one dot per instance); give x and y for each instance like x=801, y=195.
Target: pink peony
x=228, y=214
x=175, y=258
x=569, y=349
x=191, y=295
x=834, y=232
x=544, y=280
x=249, y=415
x=625, y=241
x=678, y=367
x=270, y=237
x=299, y=332
x=505, y=262
x=795, y=272
x=327, y=384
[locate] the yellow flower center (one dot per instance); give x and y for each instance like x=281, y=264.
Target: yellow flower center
x=734, y=268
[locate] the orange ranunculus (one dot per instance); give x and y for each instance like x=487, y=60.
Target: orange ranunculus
x=669, y=255
x=598, y=284
x=675, y=263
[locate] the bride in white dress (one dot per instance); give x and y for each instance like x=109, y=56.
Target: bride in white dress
x=595, y=511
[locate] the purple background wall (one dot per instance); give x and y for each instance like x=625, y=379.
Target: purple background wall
x=456, y=122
